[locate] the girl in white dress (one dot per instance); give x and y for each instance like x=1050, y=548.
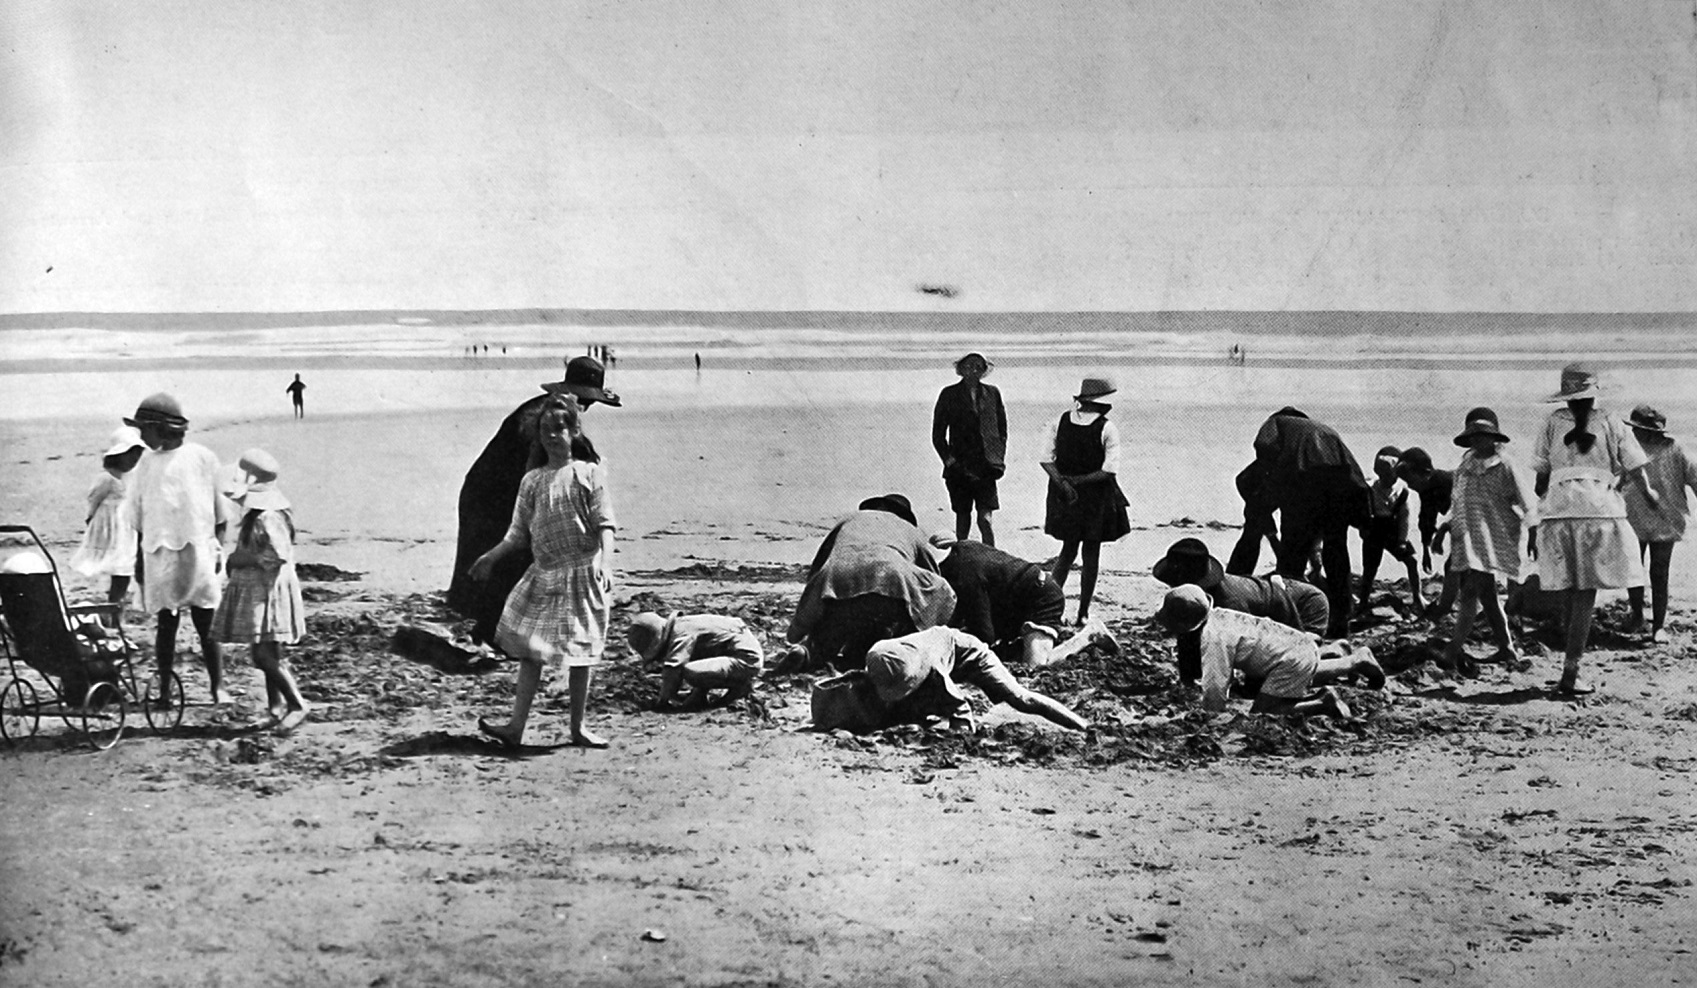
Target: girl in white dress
x=109, y=541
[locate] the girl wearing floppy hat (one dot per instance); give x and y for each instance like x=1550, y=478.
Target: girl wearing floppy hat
x=1491, y=505
x=262, y=605
x=178, y=512
x=1584, y=541
x=1669, y=473
x=1085, y=506
x=109, y=540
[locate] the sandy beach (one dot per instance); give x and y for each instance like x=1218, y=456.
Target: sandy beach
x=1463, y=832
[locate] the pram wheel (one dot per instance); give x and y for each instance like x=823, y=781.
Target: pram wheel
x=102, y=715
x=162, y=704
x=20, y=711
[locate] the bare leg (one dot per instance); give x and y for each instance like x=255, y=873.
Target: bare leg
x=1091, y=556
x=963, y=525
x=1032, y=702
x=1325, y=702
x=1063, y=562
x=210, y=652
x=1416, y=594
x=1580, y=604
x=579, y=678
x=1492, y=605
x=1661, y=561
x=986, y=530
x=1455, y=654
x=530, y=677
x=1371, y=552
x=1635, y=597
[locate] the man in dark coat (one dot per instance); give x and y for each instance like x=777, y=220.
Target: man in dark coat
x=490, y=489
x=969, y=430
x=1320, y=492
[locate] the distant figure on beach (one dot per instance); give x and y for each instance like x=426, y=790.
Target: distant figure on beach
x=1320, y=492
x=1258, y=521
x=1669, y=472
x=969, y=431
x=1290, y=602
x=1085, y=506
x=873, y=578
x=491, y=487
x=698, y=363
x=109, y=539
x=297, y=394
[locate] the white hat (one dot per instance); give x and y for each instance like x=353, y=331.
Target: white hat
x=124, y=439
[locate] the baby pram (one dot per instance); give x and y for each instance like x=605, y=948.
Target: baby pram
x=79, y=653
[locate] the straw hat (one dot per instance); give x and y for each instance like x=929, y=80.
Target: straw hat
x=124, y=439
x=647, y=632
x=896, y=669
x=1646, y=417
x=260, y=493
x=1577, y=381
x=894, y=504
x=1093, y=388
x=1189, y=561
x=159, y=409
x=586, y=379
x=1184, y=609
x=1481, y=421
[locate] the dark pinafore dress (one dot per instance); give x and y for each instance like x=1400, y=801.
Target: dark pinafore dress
x=1099, y=514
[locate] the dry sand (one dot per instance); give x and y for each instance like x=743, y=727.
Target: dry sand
x=1463, y=833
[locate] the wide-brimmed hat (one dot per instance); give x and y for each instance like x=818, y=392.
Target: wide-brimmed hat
x=1646, y=417
x=124, y=439
x=1093, y=388
x=1577, y=381
x=975, y=355
x=1480, y=421
x=648, y=631
x=1189, y=561
x=586, y=379
x=159, y=409
x=896, y=668
x=895, y=504
x=1185, y=608
x=260, y=493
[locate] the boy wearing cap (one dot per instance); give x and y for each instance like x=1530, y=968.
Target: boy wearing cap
x=923, y=669
x=705, y=651
x=179, y=514
x=1286, y=662
x=1658, y=526
x=969, y=431
x=1386, y=528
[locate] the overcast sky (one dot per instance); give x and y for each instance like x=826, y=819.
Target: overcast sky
x=731, y=154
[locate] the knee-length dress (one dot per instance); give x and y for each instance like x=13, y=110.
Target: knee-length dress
x=559, y=611
x=109, y=543
x=1098, y=514
x=1584, y=539
x=262, y=600
x=1491, y=505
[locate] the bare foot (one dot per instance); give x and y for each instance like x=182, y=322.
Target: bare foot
x=588, y=739
x=1658, y=637
x=501, y=734
x=1336, y=707
x=278, y=712
x=292, y=720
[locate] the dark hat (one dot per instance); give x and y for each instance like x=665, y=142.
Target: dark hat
x=1188, y=561
x=975, y=356
x=1291, y=411
x=1093, y=388
x=1480, y=421
x=1390, y=451
x=894, y=504
x=159, y=409
x=1578, y=380
x=1646, y=417
x=1184, y=609
x=1414, y=460
x=585, y=378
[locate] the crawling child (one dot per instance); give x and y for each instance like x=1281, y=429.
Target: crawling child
x=705, y=651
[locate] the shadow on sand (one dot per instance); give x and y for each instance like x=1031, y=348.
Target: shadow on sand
x=444, y=743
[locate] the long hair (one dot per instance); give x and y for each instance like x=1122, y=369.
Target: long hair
x=1580, y=436
x=582, y=448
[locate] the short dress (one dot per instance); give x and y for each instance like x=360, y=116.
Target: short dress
x=109, y=543
x=1099, y=512
x=262, y=600
x=1490, y=509
x=559, y=611
x=1670, y=472
x=1584, y=539
x=175, y=504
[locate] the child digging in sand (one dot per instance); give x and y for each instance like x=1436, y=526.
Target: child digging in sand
x=262, y=602
x=1386, y=528
x=109, y=541
x=559, y=611
x=1492, y=499
x=705, y=651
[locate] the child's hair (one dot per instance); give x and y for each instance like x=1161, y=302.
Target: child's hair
x=1580, y=435
x=582, y=448
x=251, y=518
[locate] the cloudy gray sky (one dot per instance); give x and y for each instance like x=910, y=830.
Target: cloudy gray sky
x=733, y=154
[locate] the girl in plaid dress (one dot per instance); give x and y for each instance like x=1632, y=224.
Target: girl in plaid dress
x=1493, y=497
x=262, y=605
x=558, y=613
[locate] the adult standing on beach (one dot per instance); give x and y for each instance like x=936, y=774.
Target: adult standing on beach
x=491, y=488
x=1584, y=542
x=1320, y=492
x=297, y=394
x=873, y=578
x=1085, y=505
x=969, y=431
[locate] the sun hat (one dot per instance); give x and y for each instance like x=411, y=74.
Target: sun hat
x=1646, y=417
x=124, y=439
x=942, y=540
x=159, y=409
x=1189, y=561
x=26, y=562
x=587, y=379
x=1577, y=381
x=897, y=668
x=1184, y=609
x=1481, y=421
x=647, y=632
x=975, y=355
x=260, y=493
x=1093, y=388
x=894, y=504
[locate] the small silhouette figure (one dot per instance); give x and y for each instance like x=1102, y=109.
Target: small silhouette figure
x=297, y=394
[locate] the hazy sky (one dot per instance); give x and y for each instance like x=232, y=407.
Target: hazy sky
x=292, y=155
